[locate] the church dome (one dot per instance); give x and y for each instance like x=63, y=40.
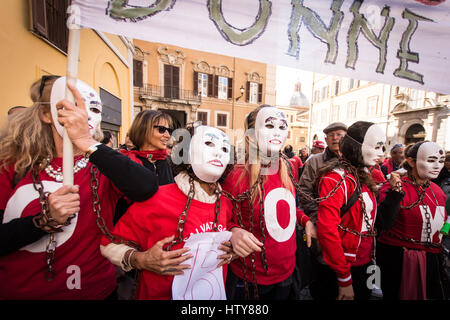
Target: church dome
x=298, y=99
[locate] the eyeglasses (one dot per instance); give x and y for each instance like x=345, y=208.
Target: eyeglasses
x=162, y=129
x=43, y=81
x=334, y=134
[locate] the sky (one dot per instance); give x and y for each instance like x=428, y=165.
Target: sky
x=286, y=78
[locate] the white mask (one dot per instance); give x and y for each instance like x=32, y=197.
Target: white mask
x=91, y=100
x=372, y=146
x=271, y=130
x=209, y=153
x=430, y=160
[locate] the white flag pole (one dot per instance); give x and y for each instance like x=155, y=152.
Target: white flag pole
x=73, y=51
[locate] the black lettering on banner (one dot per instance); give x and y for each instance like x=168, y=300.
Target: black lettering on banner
x=245, y=36
x=404, y=54
x=120, y=10
x=316, y=26
x=360, y=24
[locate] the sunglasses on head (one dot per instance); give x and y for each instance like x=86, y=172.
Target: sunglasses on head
x=43, y=81
x=162, y=129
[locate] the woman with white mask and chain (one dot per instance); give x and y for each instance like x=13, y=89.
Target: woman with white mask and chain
x=409, y=249
x=264, y=193
x=50, y=233
x=194, y=204
x=346, y=216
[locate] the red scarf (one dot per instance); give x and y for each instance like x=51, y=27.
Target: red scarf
x=150, y=155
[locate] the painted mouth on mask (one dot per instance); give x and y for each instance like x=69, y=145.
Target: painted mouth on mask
x=216, y=163
x=275, y=141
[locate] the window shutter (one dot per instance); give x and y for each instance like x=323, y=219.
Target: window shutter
x=39, y=15
x=175, y=82
x=230, y=88
x=247, y=91
x=195, y=83
x=210, y=85
x=260, y=92
x=138, y=80
x=167, y=81
x=216, y=86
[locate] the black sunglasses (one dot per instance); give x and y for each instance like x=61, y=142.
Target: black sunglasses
x=162, y=129
x=43, y=80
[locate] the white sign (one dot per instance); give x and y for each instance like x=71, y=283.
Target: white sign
x=401, y=42
x=203, y=281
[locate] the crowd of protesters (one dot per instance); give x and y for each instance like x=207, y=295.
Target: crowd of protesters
x=134, y=209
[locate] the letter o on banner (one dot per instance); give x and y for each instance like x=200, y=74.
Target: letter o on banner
x=274, y=229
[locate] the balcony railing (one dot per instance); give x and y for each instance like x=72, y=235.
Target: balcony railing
x=150, y=91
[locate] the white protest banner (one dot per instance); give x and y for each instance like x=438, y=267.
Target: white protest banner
x=401, y=42
x=203, y=281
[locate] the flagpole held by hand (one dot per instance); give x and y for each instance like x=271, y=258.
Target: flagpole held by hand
x=71, y=75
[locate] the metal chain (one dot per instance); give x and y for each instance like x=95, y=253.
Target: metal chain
x=183, y=216
x=421, y=192
x=51, y=245
x=101, y=224
x=262, y=226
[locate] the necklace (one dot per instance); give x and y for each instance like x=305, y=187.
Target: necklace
x=57, y=173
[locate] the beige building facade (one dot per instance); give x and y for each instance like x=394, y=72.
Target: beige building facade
x=407, y=115
x=193, y=86
x=34, y=44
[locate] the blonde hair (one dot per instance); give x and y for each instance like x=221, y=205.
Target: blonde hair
x=253, y=170
x=25, y=140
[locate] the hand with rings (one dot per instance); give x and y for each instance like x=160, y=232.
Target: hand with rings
x=228, y=256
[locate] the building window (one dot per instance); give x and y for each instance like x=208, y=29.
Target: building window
x=138, y=75
x=351, y=84
x=335, y=113
x=253, y=92
x=223, y=88
x=171, y=81
x=324, y=93
x=337, y=87
x=203, y=84
x=49, y=21
x=372, y=106
x=203, y=117
x=351, y=110
x=222, y=119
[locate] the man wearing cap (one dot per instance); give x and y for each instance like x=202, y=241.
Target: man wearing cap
x=396, y=159
x=317, y=147
x=308, y=184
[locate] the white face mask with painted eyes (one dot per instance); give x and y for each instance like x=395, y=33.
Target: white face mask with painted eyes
x=372, y=146
x=430, y=160
x=209, y=153
x=91, y=100
x=271, y=130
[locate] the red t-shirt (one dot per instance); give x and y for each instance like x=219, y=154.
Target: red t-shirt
x=411, y=223
x=157, y=218
x=279, y=220
x=81, y=271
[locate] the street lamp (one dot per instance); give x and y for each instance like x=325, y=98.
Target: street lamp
x=242, y=90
